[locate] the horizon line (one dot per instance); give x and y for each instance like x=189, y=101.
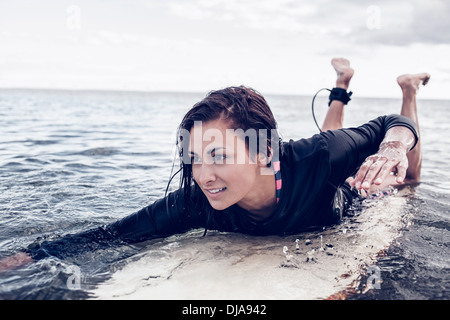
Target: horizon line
x=143, y=91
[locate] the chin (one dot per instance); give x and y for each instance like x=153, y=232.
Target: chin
x=219, y=206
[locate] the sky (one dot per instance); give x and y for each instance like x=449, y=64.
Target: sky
x=274, y=46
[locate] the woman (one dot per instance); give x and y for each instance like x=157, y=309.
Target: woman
x=238, y=176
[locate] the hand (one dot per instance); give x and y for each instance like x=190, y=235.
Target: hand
x=15, y=261
x=391, y=157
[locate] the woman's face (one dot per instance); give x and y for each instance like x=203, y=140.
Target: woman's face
x=221, y=165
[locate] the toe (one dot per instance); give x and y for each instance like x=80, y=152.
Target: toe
x=425, y=79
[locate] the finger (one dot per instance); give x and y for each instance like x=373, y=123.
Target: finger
x=352, y=182
x=361, y=174
x=372, y=173
x=385, y=171
x=401, y=172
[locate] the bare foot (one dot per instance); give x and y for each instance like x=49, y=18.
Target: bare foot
x=344, y=72
x=412, y=82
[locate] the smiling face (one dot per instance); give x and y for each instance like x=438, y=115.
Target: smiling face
x=223, y=168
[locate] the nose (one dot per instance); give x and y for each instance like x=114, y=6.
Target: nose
x=205, y=174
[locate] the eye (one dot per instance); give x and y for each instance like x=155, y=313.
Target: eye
x=219, y=158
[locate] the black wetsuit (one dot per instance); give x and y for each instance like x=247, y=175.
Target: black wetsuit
x=314, y=194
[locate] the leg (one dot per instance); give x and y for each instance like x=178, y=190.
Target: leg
x=410, y=85
x=335, y=115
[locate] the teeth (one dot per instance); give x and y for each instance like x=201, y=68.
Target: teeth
x=216, y=190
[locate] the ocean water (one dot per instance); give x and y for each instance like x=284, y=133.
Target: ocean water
x=74, y=160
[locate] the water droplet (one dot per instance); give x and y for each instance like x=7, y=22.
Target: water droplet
x=285, y=251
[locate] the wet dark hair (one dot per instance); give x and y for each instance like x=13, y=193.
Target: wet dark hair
x=244, y=108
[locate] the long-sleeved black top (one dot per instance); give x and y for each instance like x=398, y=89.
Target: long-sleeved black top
x=312, y=171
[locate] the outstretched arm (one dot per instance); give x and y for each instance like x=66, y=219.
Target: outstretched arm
x=163, y=218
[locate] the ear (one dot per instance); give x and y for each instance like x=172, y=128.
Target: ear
x=265, y=160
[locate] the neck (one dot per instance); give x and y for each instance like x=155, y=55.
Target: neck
x=262, y=200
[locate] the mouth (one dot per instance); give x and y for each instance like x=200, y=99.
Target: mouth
x=215, y=192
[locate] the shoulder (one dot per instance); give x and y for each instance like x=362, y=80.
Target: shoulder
x=303, y=149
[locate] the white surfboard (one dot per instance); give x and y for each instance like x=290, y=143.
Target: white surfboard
x=315, y=265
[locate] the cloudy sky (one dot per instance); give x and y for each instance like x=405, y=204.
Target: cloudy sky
x=275, y=46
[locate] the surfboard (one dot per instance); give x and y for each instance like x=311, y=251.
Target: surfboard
x=312, y=265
